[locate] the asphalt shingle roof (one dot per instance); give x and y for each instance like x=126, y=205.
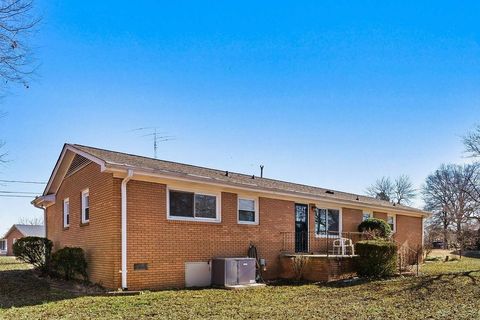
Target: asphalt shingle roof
x=219, y=176
x=29, y=230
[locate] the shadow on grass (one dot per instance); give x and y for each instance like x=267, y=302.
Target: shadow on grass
x=427, y=285
x=20, y=288
x=470, y=254
x=288, y=283
x=332, y=284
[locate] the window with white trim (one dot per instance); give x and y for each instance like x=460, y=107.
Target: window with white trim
x=367, y=215
x=85, y=206
x=3, y=245
x=247, y=211
x=192, y=206
x=66, y=213
x=327, y=222
x=392, y=222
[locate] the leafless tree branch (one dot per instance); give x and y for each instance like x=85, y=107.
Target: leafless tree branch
x=472, y=142
x=400, y=190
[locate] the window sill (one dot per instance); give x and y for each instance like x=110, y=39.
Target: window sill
x=83, y=224
x=245, y=223
x=66, y=228
x=186, y=219
x=324, y=236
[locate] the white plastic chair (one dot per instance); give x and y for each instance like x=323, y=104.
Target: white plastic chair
x=340, y=246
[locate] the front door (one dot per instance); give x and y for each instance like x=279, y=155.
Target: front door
x=301, y=228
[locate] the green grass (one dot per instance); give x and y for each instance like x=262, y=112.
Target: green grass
x=446, y=291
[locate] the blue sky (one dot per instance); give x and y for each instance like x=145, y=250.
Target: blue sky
x=324, y=93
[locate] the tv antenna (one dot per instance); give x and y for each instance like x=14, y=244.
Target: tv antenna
x=156, y=136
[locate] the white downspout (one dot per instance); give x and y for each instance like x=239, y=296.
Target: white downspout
x=124, y=227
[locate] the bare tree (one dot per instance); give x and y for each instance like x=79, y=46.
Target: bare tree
x=35, y=221
x=382, y=189
x=403, y=190
x=472, y=142
x=400, y=191
x=448, y=194
x=17, y=21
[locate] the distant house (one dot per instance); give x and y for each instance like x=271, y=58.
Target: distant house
x=16, y=232
x=150, y=224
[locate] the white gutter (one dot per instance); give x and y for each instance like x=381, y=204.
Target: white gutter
x=214, y=182
x=124, y=227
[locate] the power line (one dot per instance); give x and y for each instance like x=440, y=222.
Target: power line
x=14, y=196
x=21, y=181
x=19, y=192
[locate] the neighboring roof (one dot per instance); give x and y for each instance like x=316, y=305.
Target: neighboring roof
x=28, y=230
x=112, y=159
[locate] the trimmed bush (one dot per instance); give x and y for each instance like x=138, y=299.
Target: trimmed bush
x=378, y=228
x=377, y=258
x=34, y=250
x=70, y=262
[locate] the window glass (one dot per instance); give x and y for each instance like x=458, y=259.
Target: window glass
x=181, y=204
x=391, y=222
x=85, y=206
x=66, y=213
x=327, y=220
x=3, y=245
x=366, y=215
x=333, y=221
x=246, y=210
x=320, y=221
x=205, y=206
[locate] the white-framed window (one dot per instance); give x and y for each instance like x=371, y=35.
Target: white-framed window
x=392, y=222
x=14, y=240
x=66, y=213
x=328, y=222
x=3, y=245
x=247, y=210
x=196, y=206
x=367, y=215
x=85, y=206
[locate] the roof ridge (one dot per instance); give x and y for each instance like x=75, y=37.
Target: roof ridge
x=219, y=171
x=150, y=158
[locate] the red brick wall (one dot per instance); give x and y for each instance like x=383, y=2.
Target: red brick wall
x=351, y=219
x=319, y=268
x=14, y=234
x=101, y=237
x=167, y=244
x=409, y=231
x=380, y=215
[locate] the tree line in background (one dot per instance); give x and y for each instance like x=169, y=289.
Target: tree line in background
x=451, y=193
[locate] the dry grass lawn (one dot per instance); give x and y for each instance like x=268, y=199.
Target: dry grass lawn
x=446, y=290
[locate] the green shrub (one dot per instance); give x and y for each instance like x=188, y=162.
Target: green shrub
x=34, y=250
x=377, y=258
x=70, y=262
x=376, y=227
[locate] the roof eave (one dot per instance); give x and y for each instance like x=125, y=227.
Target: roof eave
x=69, y=147
x=115, y=167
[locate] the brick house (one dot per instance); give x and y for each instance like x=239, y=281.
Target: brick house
x=18, y=231
x=141, y=221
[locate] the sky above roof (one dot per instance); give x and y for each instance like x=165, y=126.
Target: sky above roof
x=330, y=94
